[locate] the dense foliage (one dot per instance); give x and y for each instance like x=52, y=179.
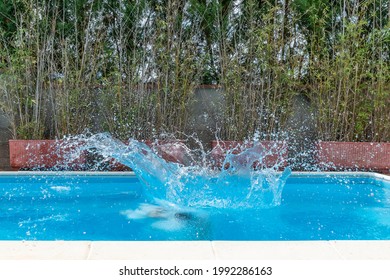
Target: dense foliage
x=131, y=67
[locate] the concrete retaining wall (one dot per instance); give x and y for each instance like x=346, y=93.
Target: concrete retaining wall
x=205, y=114
x=5, y=135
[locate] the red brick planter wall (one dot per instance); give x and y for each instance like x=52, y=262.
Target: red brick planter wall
x=354, y=155
x=29, y=154
x=48, y=154
x=276, y=151
x=170, y=150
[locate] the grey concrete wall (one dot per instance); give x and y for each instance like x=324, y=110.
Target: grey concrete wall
x=302, y=134
x=205, y=114
x=5, y=135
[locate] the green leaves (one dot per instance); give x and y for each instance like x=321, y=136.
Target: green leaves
x=139, y=62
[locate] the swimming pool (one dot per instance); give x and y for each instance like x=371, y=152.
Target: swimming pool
x=113, y=207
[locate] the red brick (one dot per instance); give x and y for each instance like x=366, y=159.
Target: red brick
x=354, y=155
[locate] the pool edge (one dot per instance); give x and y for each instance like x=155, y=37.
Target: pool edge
x=195, y=250
x=131, y=173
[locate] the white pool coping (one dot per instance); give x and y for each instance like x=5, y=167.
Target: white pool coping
x=196, y=250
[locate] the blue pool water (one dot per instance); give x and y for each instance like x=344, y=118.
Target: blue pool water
x=108, y=207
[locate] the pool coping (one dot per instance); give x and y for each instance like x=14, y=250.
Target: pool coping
x=131, y=173
x=196, y=250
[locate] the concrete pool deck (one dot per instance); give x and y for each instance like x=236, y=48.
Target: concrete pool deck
x=197, y=250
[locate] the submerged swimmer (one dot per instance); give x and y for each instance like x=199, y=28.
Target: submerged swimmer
x=172, y=218
x=184, y=216
x=157, y=212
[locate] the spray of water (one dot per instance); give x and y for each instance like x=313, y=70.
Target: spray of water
x=243, y=181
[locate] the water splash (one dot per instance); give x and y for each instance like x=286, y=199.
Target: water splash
x=242, y=182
